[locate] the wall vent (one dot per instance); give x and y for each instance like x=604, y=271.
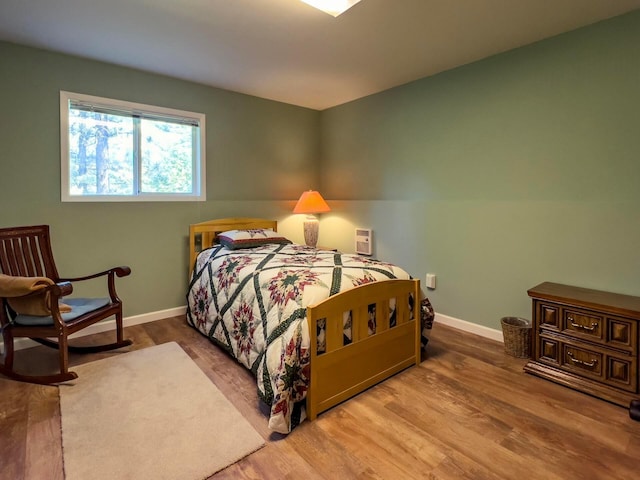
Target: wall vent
x=363, y=241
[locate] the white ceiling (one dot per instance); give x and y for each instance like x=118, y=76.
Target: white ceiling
x=286, y=50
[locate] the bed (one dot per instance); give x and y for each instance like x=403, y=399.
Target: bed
x=314, y=326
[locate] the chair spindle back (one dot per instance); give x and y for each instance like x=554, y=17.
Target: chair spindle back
x=26, y=252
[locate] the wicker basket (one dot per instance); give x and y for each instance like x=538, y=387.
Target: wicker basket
x=517, y=336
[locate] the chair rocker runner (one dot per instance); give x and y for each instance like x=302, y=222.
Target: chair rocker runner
x=27, y=264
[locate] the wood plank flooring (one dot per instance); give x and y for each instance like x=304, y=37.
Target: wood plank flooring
x=468, y=411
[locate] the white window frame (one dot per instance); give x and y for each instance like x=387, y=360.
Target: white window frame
x=199, y=180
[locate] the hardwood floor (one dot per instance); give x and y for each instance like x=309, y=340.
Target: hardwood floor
x=468, y=411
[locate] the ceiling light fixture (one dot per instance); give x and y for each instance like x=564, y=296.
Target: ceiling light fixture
x=332, y=7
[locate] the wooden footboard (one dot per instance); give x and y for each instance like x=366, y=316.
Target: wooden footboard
x=343, y=371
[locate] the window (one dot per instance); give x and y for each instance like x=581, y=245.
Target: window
x=116, y=151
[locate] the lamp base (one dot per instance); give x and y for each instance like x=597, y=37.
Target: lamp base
x=311, y=228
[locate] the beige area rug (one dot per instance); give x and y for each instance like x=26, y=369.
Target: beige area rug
x=149, y=414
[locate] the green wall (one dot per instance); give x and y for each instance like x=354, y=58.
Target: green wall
x=260, y=155
x=498, y=175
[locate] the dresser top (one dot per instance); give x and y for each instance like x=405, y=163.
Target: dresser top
x=617, y=303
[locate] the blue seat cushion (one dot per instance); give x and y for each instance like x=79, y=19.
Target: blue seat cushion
x=79, y=306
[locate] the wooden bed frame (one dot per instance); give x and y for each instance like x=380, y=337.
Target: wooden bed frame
x=343, y=371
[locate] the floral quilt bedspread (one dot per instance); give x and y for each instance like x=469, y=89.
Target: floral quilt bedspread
x=252, y=302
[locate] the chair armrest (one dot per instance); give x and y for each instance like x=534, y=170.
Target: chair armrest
x=118, y=271
x=112, y=274
x=60, y=289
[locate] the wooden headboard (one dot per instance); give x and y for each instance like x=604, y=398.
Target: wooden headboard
x=203, y=235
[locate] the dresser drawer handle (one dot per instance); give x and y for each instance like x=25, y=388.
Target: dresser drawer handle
x=593, y=326
x=590, y=364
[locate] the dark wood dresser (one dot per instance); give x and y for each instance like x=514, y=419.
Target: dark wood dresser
x=586, y=340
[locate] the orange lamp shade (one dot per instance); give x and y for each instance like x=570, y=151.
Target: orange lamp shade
x=311, y=202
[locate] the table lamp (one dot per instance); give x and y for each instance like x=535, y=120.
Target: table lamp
x=311, y=202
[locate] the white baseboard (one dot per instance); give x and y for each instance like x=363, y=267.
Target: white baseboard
x=470, y=327
x=109, y=324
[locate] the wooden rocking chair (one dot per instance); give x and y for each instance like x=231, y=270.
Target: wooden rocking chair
x=25, y=254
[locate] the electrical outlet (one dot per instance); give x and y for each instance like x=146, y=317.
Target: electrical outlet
x=431, y=281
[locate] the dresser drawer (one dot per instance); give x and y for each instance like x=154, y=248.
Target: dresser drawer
x=589, y=325
x=571, y=321
x=583, y=361
x=606, y=330
x=585, y=324
x=600, y=364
